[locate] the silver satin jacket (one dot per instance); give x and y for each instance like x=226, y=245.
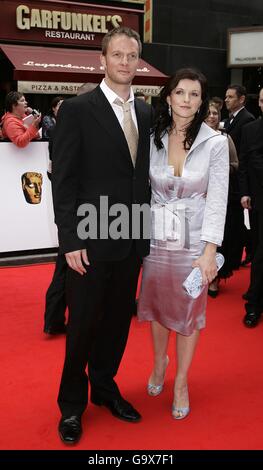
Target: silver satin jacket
x=202, y=188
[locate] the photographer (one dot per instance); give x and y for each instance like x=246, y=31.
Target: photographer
x=13, y=125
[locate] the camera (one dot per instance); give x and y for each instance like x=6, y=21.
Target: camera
x=35, y=112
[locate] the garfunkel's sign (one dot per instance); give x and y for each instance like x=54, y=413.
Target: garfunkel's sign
x=62, y=22
x=28, y=18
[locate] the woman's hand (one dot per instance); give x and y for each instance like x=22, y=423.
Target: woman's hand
x=207, y=263
x=36, y=121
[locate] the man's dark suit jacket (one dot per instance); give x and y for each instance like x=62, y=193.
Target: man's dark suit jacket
x=235, y=128
x=251, y=163
x=235, y=131
x=91, y=159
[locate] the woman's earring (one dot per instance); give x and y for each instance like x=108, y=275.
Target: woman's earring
x=170, y=110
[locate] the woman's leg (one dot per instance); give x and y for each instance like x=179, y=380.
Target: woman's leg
x=185, y=347
x=160, y=336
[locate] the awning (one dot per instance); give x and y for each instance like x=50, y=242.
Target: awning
x=70, y=65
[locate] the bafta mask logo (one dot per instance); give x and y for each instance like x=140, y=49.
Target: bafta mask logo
x=32, y=187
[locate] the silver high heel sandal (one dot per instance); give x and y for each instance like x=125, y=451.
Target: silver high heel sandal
x=180, y=413
x=154, y=390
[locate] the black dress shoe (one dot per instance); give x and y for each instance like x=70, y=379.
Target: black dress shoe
x=55, y=330
x=212, y=293
x=119, y=407
x=251, y=319
x=246, y=261
x=70, y=429
x=135, y=307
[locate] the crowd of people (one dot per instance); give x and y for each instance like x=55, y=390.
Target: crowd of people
x=195, y=172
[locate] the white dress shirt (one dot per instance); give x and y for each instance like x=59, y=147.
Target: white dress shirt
x=111, y=97
x=235, y=114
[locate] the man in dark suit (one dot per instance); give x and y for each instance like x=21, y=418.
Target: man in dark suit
x=235, y=100
x=251, y=187
x=101, y=153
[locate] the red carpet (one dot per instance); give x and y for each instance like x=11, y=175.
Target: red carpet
x=226, y=379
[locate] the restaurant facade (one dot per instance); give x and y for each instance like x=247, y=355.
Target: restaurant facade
x=53, y=47
x=69, y=33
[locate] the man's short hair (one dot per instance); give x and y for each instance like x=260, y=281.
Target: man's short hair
x=130, y=33
x=240, y=90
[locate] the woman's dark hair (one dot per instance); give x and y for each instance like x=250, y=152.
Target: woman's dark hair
x=53, y=104
x=12, y=99
x=163, y=120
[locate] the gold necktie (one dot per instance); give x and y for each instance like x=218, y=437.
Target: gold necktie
x=129, y=129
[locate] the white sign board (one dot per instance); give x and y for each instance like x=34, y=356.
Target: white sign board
x=245, y=48
x=68, y=88
x=46, y=88
x=26, y=217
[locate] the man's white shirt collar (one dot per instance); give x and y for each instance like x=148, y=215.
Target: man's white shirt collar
x=236, y=112
x=111, y=95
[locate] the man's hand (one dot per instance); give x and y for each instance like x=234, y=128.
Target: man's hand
x=246, y=202
x=75, y=258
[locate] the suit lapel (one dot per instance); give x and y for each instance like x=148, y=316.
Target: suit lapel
x=236, y=119
x=229, y=126
x=233, y=123
x=105, y=115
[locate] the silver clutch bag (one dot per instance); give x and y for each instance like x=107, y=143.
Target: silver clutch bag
x=193, y=283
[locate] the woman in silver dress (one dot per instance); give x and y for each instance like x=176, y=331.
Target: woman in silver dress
x=189, y=170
